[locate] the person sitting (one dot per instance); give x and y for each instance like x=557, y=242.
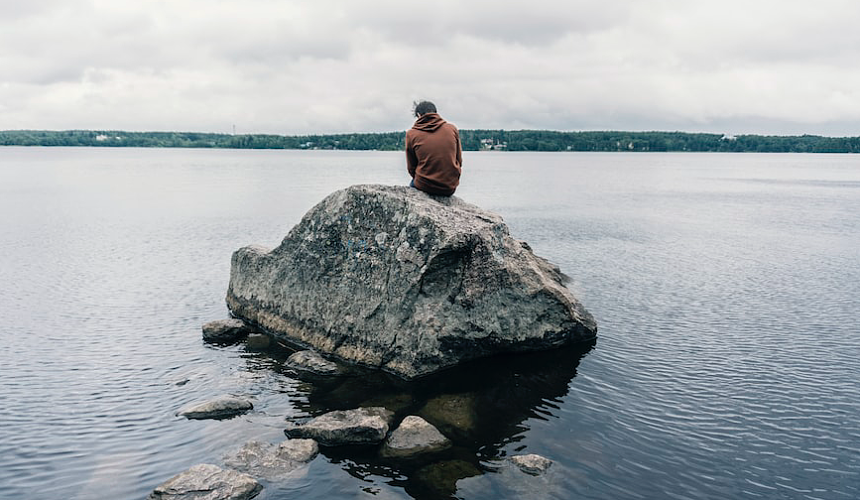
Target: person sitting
x=434, y=155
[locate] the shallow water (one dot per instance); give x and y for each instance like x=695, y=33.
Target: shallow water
x=726, y=287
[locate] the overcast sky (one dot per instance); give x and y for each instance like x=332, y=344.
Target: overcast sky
x=326, y=66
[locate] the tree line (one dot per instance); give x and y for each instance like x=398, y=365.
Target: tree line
x=473, y=140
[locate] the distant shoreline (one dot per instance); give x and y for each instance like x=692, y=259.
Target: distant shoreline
x=473, y=140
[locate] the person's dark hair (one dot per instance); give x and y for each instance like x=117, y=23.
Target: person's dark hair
x=423, y=107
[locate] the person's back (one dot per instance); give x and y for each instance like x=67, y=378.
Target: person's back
x=434, y=157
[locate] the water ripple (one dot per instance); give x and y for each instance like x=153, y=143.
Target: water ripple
x=727, y=289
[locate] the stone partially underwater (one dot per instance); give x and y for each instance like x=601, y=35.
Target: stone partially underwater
x=392, y=278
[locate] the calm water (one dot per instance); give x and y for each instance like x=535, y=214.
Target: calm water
x=727, y=289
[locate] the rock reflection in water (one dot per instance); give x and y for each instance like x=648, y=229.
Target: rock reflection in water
x=481, y=407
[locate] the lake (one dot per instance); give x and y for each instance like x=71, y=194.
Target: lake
x=726, y=288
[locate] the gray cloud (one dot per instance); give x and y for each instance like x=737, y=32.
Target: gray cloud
x=434, y=24
x=338, y=66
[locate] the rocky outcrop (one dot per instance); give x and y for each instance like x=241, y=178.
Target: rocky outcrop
x=226, y=330
x=393, y=278
x=414, y=435
x=221, y=407
x=531, y=464
x=345, y=427
x=271, y=462
x=207, y=482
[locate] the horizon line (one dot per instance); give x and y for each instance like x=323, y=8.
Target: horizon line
x=724, y=134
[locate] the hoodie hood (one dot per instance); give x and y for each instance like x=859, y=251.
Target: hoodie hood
x=428, y=122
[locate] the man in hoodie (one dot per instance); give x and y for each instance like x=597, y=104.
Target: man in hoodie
x=434, y=156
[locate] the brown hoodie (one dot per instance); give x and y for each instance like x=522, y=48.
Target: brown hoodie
x=434, y=156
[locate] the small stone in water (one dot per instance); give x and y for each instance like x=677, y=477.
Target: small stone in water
x=532, y=463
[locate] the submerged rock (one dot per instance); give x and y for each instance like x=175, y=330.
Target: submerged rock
x=226, y=330
x=207, y=482
x=221, y=407
x=257, y=341
x=455, y=414
x=441, y=477
x=271, y=462
x=311, y=361
x=343, y=427
x=413, y=436
x=298, y=450
x=393, y=402
x=393, y=278
x=531, y=464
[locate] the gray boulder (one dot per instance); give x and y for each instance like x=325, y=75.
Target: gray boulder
x=311, y=361
x=393, y=278
x=226, y=330
x=531, y=464
x=345, y=427
x=221, y=407
x=271, y=462
x=414, y=435
x=207, y=482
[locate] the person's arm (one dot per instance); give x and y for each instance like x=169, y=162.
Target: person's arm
x=411, y=159
x=459, y=148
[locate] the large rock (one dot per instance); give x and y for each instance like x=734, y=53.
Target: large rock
x=344, y=427
x=220, y=407
x=207, y=482
x=393, y=278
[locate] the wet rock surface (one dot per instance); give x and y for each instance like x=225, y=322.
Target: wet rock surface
x=272, y=462
x=257, y=341
x=345, y=427
x=218, y=408
x=207, y=482
x=393, y=402
x=441, y=478
x=392, y=278
x=414, y=435
x=454, y=414
x=226, y=330
x=478, y=407
x=311, y=361
x=532, y=463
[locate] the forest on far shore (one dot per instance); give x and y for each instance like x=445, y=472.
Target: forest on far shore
x=473, y=140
